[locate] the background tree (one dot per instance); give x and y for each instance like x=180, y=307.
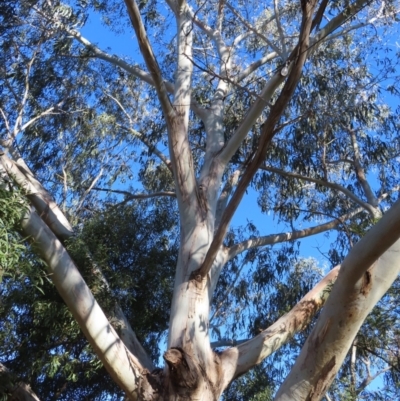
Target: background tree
x=292, y=101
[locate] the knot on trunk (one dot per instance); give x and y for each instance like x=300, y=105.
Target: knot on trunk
x=183, y=371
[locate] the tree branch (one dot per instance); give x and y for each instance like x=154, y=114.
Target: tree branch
x=150, y=60
x=14, y=389
x=366, y=274
x=39, y=197
x=59, y=225
x=88, y=189
x=252, y=29
x=280, y=30
x=259, y=105
x=123, y=367
x=298, y=58
x=151, y=147
x=370, y=208
x=273, y=239
x=240, y=359
x=118, y=62
x=18, y=120
x=336, y=22
x=360, y=173
x=254, y=66
x=224, y=197
x=367, y=381
x=136, y=196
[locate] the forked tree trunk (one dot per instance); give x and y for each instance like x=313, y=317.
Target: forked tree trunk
x=194, y=369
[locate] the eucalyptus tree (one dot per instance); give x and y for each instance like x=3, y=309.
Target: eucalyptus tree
x=280, y=97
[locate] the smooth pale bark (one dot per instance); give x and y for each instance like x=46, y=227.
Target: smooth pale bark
x=361, y=283
x=123, y=367
x=189, y=324
x=16, y=390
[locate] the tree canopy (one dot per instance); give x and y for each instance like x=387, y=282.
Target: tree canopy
x=122, y=271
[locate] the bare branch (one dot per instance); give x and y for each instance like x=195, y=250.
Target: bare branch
x=360, y=173
x=18, y=120
x=367, y=381
x=254, y=66
x=150, y=59
x=248, y=121
x=319, y=14
x=273, y=239
x=224, y=197
x=221, y=90
x=123, y=366
x=60, y=226
x=151, y=147
x=202, y=25
x=280, y=30
x=272, y=85
x=34, y=119
x=366, y=274
x=252, y=29
x=220, y=18
x=334, y=23
x=345, y=31
x=39, y=197
x=240, y=359
x=231, y=287
x=130, y=195
x=370, y=208
x=87, y=191
x=5, y=120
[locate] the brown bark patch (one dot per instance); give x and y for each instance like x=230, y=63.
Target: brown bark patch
x=366, y=283
x=324, y=379
x=184, y=373
x=151, y=386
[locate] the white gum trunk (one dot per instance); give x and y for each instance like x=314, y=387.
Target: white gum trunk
x=189, y=324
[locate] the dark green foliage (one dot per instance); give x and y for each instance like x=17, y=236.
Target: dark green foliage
x=39, y=339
